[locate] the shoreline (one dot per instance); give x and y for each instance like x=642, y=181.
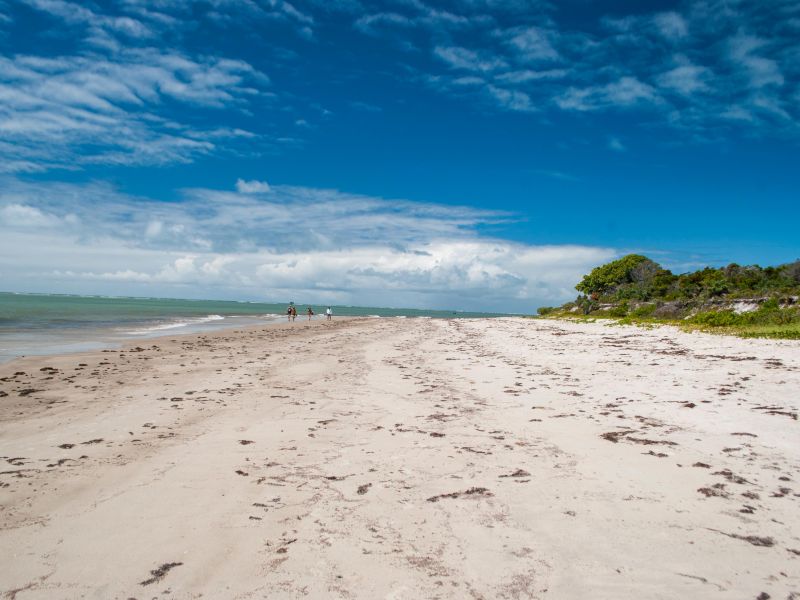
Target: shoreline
x=362, y=458
x=45, y=324
x=140, y=339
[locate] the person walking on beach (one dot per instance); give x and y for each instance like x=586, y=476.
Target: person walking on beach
x=310, y=313
x=328, y=313
x=294, y=313
x=289, y=313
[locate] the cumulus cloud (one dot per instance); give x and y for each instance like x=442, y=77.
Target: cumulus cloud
x=357, y=249
x=671, y=25
x=251, y=187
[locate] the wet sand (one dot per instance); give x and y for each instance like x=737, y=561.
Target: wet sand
x=405, y=458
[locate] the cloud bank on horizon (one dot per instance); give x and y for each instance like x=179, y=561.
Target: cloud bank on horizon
x=219, y=244
x=96, y=98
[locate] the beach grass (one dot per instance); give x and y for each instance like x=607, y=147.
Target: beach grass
x=783, y=331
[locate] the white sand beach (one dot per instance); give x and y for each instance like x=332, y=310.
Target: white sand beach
x=405, y=458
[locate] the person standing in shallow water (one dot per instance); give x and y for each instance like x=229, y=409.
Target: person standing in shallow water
x=328, y=313
x=294, y=313
x=289, y=313
x=310, y=313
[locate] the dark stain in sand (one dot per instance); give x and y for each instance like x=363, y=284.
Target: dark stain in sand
x=647, y=442
x=363, y=489
x=518, y=473
x=727, y=474
x=159, y=573
x=756, y=540
x=470, y=449
x=716, y=490
x=471, y=492
x=615, y=436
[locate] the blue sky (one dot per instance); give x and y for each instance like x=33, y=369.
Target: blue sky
x=477, y=154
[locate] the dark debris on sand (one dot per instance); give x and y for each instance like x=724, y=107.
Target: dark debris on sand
x=471, y=492
x=159, y=573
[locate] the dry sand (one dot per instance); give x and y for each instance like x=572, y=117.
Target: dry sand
x=405, y=458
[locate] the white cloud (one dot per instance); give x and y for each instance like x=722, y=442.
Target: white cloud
x=625, y=92
x=688, y=66
x=357, y=249
x=527, y=75
x=99, y=24
x=556, y=174
x=154, y=229
x=371, y=24
x=532, y=44
x=89, y=109
x=615, y=144
x=512, y=99
x=686, y=79
x=671, y=25
x=24, y=216
x=251, y=187
x=469, y=60
x=762, y=71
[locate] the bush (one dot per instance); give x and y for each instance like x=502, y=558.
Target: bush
x=586, y=304
x=545, y=310
x=769, y=313
x=792, y=271
x=644, y=311
x=716, y=318
x=620, y=310
x=611, y=275
x=659, y=295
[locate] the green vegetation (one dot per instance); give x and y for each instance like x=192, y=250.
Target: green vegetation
x=748, y=301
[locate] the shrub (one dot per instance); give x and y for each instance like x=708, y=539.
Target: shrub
x=716, y=318
x=586, y=304
x=792, y=271
x=610, y=275
x=545, y=310
x=620, y=310
x=644, y=311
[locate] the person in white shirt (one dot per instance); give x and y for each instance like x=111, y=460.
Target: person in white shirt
x=328, y=313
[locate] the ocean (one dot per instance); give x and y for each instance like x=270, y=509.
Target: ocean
x=40, y=324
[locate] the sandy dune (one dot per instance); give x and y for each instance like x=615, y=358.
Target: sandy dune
x=405, y=458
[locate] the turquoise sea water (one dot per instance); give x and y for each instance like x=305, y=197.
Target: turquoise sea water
x=54, y=324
